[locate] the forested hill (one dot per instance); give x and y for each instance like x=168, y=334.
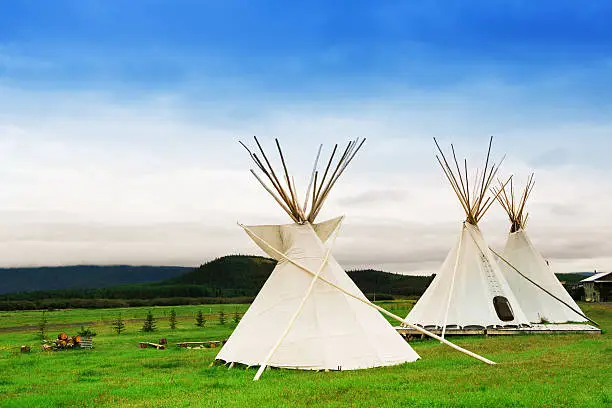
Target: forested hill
x=82, y=276
x=228, y=276
x=234, y=278
x=245, y=275
x=240, y=273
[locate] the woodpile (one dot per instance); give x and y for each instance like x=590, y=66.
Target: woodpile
x=144, y=344
x=201, y=344
x=63, y=342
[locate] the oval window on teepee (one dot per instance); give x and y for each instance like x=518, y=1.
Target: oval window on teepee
x=503, y=309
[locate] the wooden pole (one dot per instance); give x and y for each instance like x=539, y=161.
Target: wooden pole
x=275, y=197
x=312, y=179
x=353, y=151
x=484, y=172
x=296, y=201
x=515, y=210
x=453, y=183
x=318, y=190
x=466, y=192
x=269, y=173
x=322, y=193
x=266, y=361
x=492, y=201
x=273, y=173
x=367, y=302
x=288, y=179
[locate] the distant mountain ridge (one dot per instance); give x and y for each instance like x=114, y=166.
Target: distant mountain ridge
x=82, y=276
x=230, y=276
x=233, y=278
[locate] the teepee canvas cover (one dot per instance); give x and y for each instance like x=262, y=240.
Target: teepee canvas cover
x=297, y=321
x=538, y=305
x=470, y=290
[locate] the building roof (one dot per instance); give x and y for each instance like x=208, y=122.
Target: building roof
x=596, y=277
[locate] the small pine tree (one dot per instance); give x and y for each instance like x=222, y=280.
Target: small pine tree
x=236, y=317
x=172, y=319
x=200, y=320
x=149, y=323
x=222, y=318
x=87, y=332
x=42, y=326
x=118, y=325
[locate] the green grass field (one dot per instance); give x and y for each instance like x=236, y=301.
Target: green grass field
x=545, y=370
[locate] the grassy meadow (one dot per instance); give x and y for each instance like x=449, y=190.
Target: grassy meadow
x=544, y=370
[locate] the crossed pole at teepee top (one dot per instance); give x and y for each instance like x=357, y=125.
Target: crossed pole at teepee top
x=362, y=300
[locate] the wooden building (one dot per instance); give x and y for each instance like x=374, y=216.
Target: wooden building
x=597, y=288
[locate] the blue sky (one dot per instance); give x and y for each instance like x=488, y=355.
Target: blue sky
x=355, y=47
x=118, y=100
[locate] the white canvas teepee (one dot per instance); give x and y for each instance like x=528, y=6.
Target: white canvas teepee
x=297, y=320
x=537, y=289
x=470, y=290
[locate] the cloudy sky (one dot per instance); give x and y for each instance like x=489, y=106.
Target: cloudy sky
x=120, y=121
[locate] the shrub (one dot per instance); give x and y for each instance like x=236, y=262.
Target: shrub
x=86, y=332
x=172, y=319
x=118, y=324
x=150, y=324
x=42, y=326
x=200, y=320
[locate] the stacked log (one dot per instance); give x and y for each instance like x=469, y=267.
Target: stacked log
x=63, y=342
x=144, y=344
x=202, y=344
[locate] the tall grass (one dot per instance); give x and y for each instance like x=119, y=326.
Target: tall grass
x=532, y=370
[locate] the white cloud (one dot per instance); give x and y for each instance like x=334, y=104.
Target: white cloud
x=89, y=179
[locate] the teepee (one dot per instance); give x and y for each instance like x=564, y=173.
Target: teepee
x=302, y=321
x=537, y=289
x=470, y=290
